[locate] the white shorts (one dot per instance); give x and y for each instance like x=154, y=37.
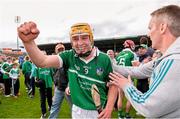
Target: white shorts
x=79, y=113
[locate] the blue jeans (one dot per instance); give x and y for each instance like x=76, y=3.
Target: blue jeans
x=57, y=101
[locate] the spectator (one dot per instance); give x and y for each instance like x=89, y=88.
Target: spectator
x=1, y=76
x=144, y=57
x=145, y=41
x=31, y=92
x=21, y=60
x=5, y=68
x=111, y=54
x=44, y=79
x=14, y=75
x=26, y=70
x=60, y=81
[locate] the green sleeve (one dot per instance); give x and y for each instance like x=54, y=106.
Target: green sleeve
x=66, y=56
x=24, y=67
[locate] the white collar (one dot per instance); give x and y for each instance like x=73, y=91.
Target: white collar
x=95, y=54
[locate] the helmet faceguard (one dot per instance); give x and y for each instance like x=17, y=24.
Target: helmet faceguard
x=81, y=29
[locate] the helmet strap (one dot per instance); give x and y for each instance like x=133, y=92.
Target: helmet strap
x=84, y=55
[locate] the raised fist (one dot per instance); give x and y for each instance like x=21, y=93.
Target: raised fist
x=28, y=31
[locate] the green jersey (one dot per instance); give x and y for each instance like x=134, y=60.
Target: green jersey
x=46, y=75
x=26, y=67
x=33, y=71
x=5, y=68
x=14, y=73
x=125, y=57
x=82, y=74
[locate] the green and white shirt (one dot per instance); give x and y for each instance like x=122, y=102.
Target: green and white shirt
x=14, y=73
x=46, y=75
x=125, y=57
x=26, y=67
x=5, y=68
x=82, y=74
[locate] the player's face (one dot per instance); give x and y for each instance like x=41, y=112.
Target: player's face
x=81, y=43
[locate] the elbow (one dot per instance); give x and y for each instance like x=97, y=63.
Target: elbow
x=149, y=113
x=41, y=63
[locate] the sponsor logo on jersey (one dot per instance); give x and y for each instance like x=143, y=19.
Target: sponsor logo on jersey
x=46, y=72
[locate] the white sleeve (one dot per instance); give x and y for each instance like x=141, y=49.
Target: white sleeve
x=60, y=61
x=2, y=70
x=141, y=72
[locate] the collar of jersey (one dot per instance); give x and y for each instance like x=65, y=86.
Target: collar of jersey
x=95, y=54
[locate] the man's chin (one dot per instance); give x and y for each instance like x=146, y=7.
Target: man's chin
x=80, y=52
x=84, y=54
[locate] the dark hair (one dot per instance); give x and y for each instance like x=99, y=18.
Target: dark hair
x=144, y=40
x=59, y=49
x=27, y=58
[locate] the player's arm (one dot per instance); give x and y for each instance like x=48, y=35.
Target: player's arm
x=111, y=98
x=3, y=69
x=28, y=32
x=112, y=95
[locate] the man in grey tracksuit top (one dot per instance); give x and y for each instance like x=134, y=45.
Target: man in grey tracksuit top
x=164, y=93
x=163, y=97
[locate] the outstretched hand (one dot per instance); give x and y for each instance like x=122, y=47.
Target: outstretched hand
x=28, y=31
x=119, y=80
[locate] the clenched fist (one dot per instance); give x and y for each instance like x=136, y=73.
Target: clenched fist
x=28, y=31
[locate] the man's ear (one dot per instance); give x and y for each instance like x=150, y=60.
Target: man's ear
x=163, y=27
